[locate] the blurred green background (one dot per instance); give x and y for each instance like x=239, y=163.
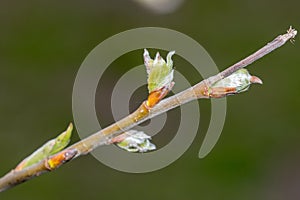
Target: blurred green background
x=42, y=45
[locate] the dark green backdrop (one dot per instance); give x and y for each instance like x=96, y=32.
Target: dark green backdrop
x=42, y=45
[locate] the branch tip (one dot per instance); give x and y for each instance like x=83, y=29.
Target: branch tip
x=292, y=31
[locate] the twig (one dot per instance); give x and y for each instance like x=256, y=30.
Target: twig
x=143, y=113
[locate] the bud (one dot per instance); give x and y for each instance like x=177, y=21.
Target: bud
x=134, y=141
x=237, y=82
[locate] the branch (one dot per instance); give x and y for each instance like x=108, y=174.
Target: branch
x=148, y=109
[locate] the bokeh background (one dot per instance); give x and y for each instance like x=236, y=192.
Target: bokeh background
x=42, y=45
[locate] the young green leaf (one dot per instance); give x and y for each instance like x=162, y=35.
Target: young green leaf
x=49, y=148
x=160, y=72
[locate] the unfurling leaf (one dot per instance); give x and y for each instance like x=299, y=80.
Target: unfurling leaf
x=134, y=141
x=62, y=140
x=237, y=82
x=49, y=148
x=160, y=73
x=241, y=80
